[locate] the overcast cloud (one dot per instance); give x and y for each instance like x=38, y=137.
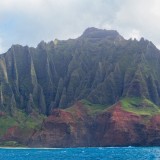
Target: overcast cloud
x=27, y=22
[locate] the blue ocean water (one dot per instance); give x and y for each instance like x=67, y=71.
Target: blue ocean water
x=111, y=153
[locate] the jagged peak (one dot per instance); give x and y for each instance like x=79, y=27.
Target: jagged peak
x=42, y=44
x=18, y=46
x=100, y=33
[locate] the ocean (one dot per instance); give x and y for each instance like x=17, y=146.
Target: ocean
x=108, y=153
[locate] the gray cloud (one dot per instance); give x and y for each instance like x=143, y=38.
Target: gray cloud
x=28, y=22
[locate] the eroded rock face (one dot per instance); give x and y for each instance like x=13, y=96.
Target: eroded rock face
x=114, y=127
x=117, y=127
x=65, y=129
x=77, y=128
x=153, y=131
x=17, y=134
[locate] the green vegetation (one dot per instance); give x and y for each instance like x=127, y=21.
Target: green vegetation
x=93, y=109
x=140, y=106
x=11, y=144
x=29, y=121
x=5, y=123
x=100, y=65
x=21, y=120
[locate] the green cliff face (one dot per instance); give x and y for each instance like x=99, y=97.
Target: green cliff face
x=100, y=66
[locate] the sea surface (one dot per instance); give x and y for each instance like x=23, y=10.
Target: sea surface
x=108, y=153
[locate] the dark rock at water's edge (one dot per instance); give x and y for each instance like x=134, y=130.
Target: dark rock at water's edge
x=38, y=86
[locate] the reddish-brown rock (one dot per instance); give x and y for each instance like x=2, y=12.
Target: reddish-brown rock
x=20, y=135
x=76, y=128
x=65, y=129
x=117, y=127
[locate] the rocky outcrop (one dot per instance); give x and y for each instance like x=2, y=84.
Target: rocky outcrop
x=76, y=128
x=117, y=127
x=17, y=134
x=65, y=129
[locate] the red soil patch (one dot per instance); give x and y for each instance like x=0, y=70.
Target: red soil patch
x=10, y=132
x=121, y=116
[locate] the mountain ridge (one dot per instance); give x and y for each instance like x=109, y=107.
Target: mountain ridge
x=67, y=62
x=66, y=93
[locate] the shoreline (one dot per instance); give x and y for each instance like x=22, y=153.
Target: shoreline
x=27, y=148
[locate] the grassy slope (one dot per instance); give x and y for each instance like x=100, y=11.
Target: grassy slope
x=5, y=123
x=92, y=109
x=26, y=122
x=140, y=106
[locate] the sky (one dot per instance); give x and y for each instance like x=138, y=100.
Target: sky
x=27, y=22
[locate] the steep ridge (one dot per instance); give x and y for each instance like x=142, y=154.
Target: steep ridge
x=100, y=66
x=96, y=90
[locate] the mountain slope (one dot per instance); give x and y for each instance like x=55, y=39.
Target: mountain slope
x=100, y=66
x=96, y=90
x=82, y=125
